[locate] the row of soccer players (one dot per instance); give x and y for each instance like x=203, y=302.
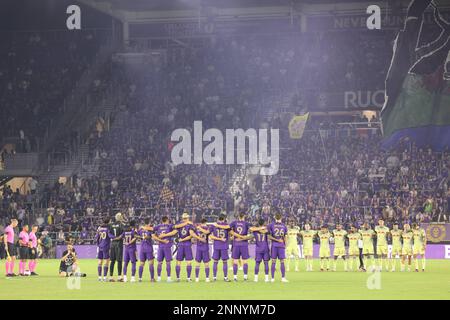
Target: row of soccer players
x=406, y=244
x=220, y=232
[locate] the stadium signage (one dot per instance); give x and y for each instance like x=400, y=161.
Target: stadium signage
x=343, y=22
x=363, y=99
x=213, y=153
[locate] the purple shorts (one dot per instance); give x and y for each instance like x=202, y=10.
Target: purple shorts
x=103, y=253
x=145, y=255
x=164, y=253
x=239, y=252
x=129, y=255
x=262, y=255
x=278, y=253
x=184, y=253
x=202, y=256
x=220, y=254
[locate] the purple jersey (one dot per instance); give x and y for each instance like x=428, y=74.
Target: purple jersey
x=277, y=231
x=220, y=233
x=185, y=232
x=162, y=229
x=261, y=241
x=200, y=244
x=240, y=227
x=102, y=238
x=128, y=236
x=146, y=242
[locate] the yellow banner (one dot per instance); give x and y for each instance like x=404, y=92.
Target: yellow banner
x=297, y=126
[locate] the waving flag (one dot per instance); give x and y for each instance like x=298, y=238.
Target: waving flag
x=297, y=126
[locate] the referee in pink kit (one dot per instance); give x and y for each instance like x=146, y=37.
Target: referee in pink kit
x=10, y=248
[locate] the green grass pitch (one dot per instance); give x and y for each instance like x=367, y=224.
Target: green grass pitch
x=432, y=284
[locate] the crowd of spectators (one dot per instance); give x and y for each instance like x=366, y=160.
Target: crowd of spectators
x=328, y=176
x=37, y=72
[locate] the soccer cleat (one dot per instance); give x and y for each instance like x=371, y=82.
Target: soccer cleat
x=159, y=279
x=125, y=279
x=133, y=279
x=207, y=280
x=214, y=279
x=296, y=269
x=189, y=280
x=417, y=270
x=256, y=278
x=197, y=279
x=266, y=278
x=235, y=280
x=178, y=280
x=105, y=279
x=169, y=280
x=272, y=280
x=321, y=269
x=284, y=280
x=100, y=279
x=140, y=280
x=152, y=280
x=33, y=274
x=227, y=280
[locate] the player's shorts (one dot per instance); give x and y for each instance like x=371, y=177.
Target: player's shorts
x=202, y=256
x=239, y=252
x=130, y=255
x=418, y=250
x=262, y=255
x=116, y=251
x=184, y=253
x=407, y=251
x=382, y=250
x=353, y=251
x=32, y=253
x=292, y=251
x=23, y=252
x=396, y=250
x=65, y=268
x=103, y=253
x=12, y=249
x=307, y=252
x=339, y=252
x=164, y=253
x=146, y=255
x=368, y=250
x=324, y=253
x=278, y=253
x=220, y=254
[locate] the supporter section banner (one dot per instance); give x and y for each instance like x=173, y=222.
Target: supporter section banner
x=437, y=232
x=205, y=28
x=345, y=22
x=433, y=251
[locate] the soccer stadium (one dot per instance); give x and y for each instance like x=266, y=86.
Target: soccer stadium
x=225, y=149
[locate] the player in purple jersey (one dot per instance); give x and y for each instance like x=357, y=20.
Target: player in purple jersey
x=220, y=235
x=103, y=240
x=186, y=231
x=202, y=251
x=262, y=252
x=163, y=234
x=277, y=233
x=239, y=231
x=129, y=240
x=146, y=252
